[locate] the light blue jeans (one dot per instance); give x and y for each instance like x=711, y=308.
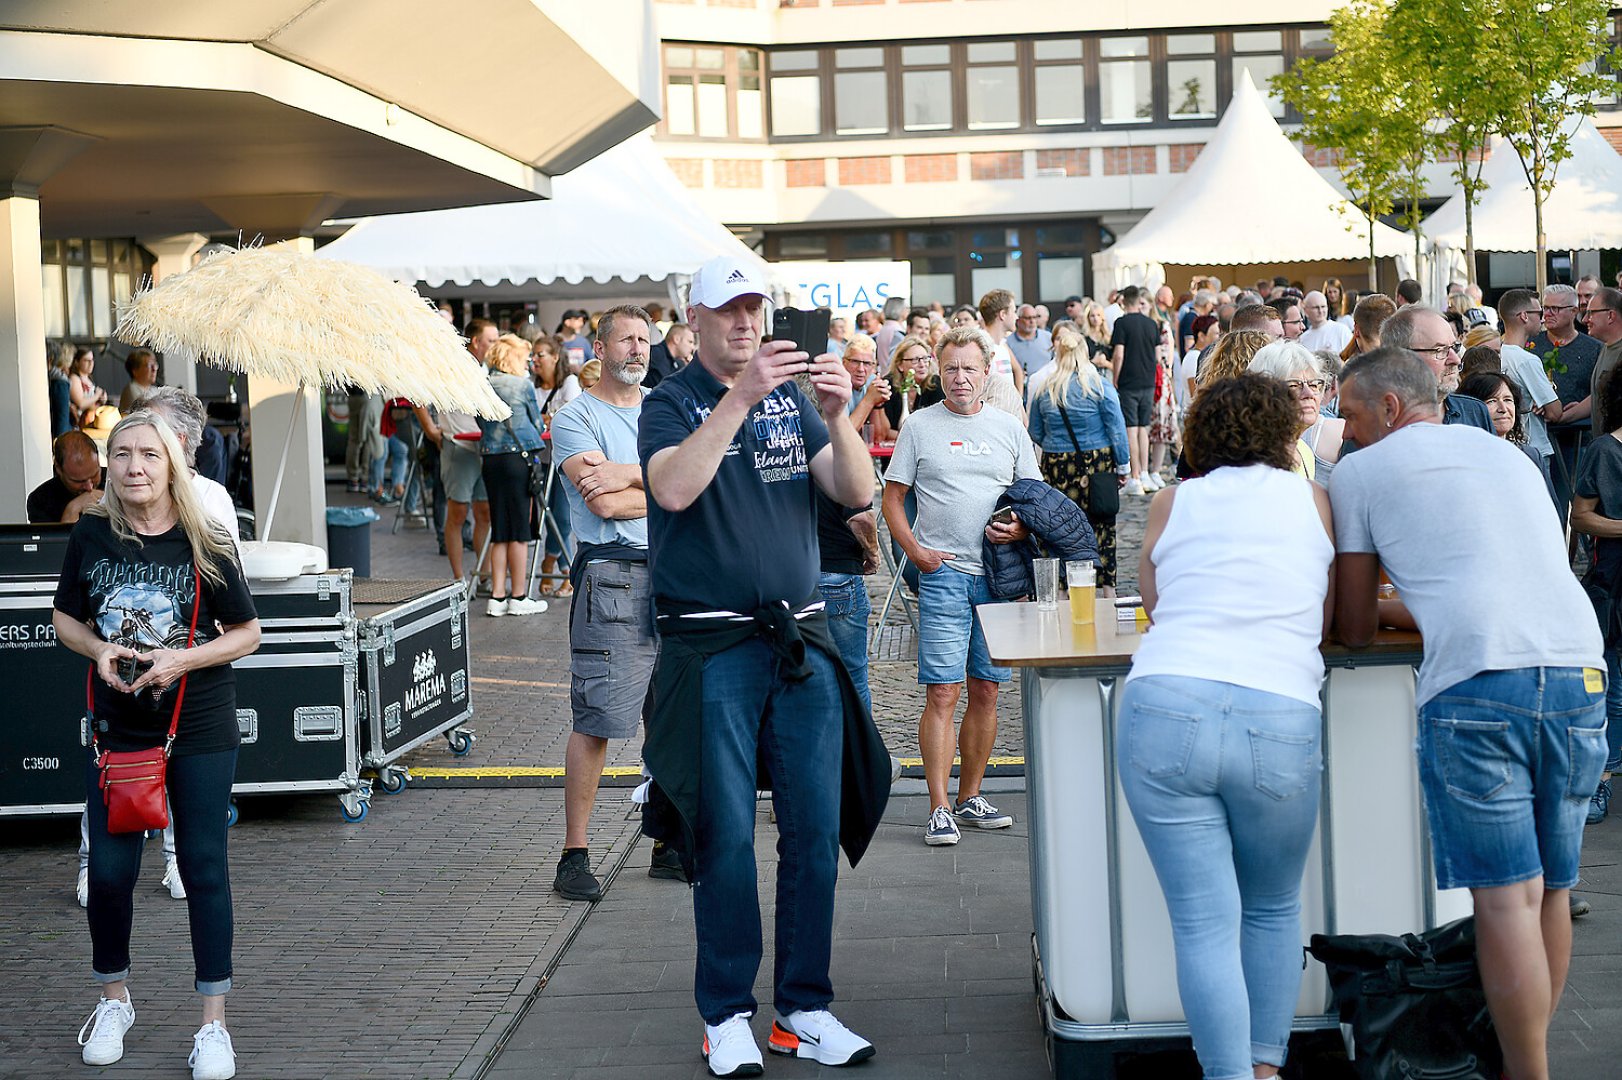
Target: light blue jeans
x=1223, y=783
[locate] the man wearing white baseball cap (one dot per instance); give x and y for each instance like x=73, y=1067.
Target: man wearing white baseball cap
x=748, y=671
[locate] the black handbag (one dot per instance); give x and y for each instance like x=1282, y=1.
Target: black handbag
x=537, y=464
x=1103, y=493
x=1412, y=1007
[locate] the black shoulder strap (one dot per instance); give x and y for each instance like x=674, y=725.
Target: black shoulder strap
x=1065, y=416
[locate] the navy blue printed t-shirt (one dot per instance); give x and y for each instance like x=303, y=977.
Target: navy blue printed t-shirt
x=750, y=538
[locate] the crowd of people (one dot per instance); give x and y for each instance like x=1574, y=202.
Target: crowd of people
x=704, y=496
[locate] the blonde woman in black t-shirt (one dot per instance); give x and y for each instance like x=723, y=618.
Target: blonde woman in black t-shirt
x=152, y=593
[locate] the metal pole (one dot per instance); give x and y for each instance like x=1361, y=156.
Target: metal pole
x=281, y=466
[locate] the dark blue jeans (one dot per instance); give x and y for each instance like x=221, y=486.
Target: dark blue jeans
x=199, y=798
x=845, y=599
x=797, y=729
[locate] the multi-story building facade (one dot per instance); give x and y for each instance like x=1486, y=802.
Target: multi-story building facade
x=992, y=143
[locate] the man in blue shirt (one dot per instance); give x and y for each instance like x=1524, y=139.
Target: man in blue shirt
x=612, y=644
x=730, y=448
x=1031, y=345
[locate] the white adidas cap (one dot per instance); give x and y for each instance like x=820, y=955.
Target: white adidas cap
x=723, y=279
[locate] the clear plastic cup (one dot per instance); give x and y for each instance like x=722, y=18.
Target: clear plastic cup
x=1046, y=572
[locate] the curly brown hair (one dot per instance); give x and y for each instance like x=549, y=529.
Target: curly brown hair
x=1231, y=355
x=1247, y=419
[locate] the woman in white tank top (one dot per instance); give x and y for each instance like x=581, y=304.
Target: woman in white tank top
x=1219, y=724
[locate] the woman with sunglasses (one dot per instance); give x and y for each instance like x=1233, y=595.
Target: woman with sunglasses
x=1317, y=445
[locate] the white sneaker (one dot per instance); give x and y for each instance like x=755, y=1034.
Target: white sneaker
x=212, y=1057
x=83, y=889
x=818, y=1035
x=730, y=1048
x=171, y=880
x=103, y=1034
x=493, y=606
x=525, y=605
x=1151, y=483
x=1134, y=486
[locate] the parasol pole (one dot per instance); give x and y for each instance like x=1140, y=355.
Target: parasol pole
x=281, y=466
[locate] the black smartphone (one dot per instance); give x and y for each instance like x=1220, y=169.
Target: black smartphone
x=807, y=329
x=1005, y=516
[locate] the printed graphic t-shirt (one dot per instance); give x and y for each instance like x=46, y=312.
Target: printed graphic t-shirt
x=142, y=598
x=750, y=538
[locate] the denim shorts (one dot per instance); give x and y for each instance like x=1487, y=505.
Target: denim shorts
x=1508, y=761
x=462, y=470
x=949, y=636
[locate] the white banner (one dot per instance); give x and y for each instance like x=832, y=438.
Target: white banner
x=846, y=288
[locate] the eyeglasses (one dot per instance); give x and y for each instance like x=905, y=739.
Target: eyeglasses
x=852, y=362
x=1435, y=352
x=1591, y=312
x=1558, y=307
x=1315, y=386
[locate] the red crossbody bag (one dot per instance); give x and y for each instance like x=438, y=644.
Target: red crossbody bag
x=133, y=782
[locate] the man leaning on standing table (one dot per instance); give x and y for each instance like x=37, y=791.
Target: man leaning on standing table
x=1511, y=697
x=748, y=671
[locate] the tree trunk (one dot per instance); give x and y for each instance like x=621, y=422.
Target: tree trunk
x=1469, y=237
x=1543, y=240
x=1374, y=263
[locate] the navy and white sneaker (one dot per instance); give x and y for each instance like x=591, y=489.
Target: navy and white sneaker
x=941, y=829
x=1600, y=804
x=817, y=1034
x=730, y=1048
x=978, y=812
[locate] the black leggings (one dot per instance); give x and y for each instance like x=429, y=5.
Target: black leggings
x=199, y=799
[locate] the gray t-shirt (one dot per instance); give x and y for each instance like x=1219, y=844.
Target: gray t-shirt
x=959, y=466
x=590, y=423
x=1461, y=522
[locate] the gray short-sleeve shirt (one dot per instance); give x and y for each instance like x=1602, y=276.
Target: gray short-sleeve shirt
x=589, y=423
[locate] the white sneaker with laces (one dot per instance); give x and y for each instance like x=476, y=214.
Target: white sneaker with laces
x=977, y=810
x=212, y=1057
x=103, y=1034
x=525, y=605
x=83, y=889
x=1151, y=483
x=730, y=1048
x=1134, y=486
x=171, y=880
x=493, y=606
x=817, y=1034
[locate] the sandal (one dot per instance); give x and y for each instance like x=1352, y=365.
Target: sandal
x=563, y=591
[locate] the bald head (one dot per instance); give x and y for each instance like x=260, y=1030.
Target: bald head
x=76, y=462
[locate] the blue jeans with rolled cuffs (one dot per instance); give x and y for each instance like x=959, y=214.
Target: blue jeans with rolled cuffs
x=845, y=599
x=199, y=799
x=1223, y=783
x=797, y=728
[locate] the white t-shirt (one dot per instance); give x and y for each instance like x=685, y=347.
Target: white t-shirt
x=1461, y=522
x=1329, y=335
x=1002, y=359
x=958, y=466
x=1243, y=558
x=218, y=505
x=1525, y=370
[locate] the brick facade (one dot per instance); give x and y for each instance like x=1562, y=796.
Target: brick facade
x=805, y=172
x=1009, y=165
x=854, y=171
x=689, y=171
x=929, y=168
x=1182, y=155
x=1129, y=161
x=738, y=173
x=1078, y=162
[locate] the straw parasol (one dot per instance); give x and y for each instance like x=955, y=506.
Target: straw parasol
x=285, y=315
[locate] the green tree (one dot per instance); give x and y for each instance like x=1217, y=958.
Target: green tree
x=1464, y=96
x=1347, y=106
x=1543, y=74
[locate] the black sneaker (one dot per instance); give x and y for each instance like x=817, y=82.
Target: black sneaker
x=575, y=880
x=666, y=863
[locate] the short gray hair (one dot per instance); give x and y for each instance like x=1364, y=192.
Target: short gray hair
x=1561, y=292
x=1203, y=297
x=1389, y=370
x=959, y=336
x=894, y=308
x=184, y=412
x=606, y=321
x=1398, y=331
x=1283, y=359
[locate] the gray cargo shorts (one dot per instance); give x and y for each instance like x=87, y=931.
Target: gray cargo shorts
x=613, y=648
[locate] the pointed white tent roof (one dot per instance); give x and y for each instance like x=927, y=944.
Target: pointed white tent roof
x=1249, y=162
x=613, y=226
x=1584, y=212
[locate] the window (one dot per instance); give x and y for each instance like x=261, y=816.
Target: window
x=1125, y=90
x=994, y=261
x=1260, y=52
x=1060, y=81
x=867, y=245
x=992, y=80
x=861, y=98
x=82, y=282
x=712, y=92
x=933, y=254
x=1191, y=76
x=796, y=98
x=1061, y=259
x=802, y=246
x=926, y=87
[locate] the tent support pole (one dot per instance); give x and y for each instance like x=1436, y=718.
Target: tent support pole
x=281, y=466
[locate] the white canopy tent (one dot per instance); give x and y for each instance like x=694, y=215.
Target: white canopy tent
x=620, y=225
x=1582, y=213
x=1249, y=162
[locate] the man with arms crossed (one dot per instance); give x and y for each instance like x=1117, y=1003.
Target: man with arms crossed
x=747, y=670
x=1511, y=696
x=611, y=638
x=958, y=457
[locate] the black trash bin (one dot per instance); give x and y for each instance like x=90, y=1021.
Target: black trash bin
x=349, y=538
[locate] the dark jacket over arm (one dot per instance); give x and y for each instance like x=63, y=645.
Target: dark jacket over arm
x=1055, y=522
